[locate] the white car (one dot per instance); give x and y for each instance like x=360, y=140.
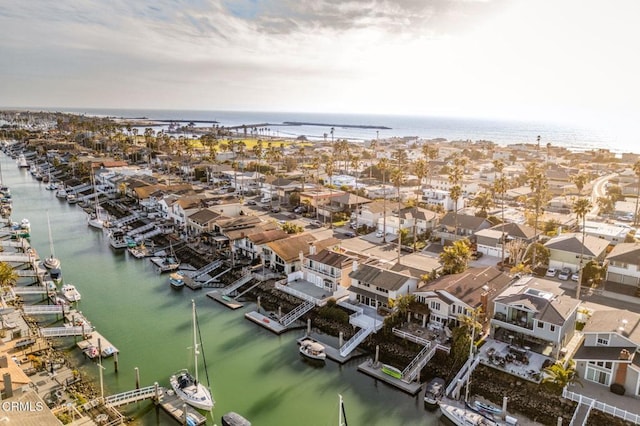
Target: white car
x=551, y=272
x=564, y=274
x=379, y=234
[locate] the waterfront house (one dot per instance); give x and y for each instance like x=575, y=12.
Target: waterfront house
x=623, y=272
x=252, y=244
x=468, y=225
x=328, y=269
x=203, y=220
x=377, y=287
x=565, y=250
x=609, y=352
x=451, y=296
x=530, y=314
x=287, y=255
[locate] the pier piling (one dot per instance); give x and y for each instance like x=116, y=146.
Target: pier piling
x=115, y=361
x=137, y=377
x=258, y=303
x=308, y=326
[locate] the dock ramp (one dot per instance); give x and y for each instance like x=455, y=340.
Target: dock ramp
x=296, y=313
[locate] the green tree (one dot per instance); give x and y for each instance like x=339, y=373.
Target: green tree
x=581, y=207
x=454, y=258
x=538, y=184
x=580, y=180
x=292, y=228
x=540, y=252
x=8, y=275
x=398, y=178
x=605, y=205
x=483, y=201
x=559, y=376
x=456, y=173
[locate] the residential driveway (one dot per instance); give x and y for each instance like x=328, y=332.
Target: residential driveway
x=484, y=261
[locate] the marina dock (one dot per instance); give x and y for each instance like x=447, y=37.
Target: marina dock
x=266, y=322
x=375, y=370
x=332, y=352
x=227, y=301
x=179, y=410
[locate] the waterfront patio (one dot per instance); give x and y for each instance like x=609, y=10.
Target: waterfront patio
x=430, y=332
x=516, y=360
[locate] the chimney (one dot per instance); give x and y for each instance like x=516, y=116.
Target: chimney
x=8, y=389
x=354, y=266
x=621, y=374
x=484, y=301
x=312, y=248
x=3, y=361
x=301, y=256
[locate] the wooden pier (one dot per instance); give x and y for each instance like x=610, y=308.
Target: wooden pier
x=375, y=370
x=179, y=410
x=97, y=340
x=227, y=301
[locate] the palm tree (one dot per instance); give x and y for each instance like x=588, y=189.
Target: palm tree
x=383, y=166
x=581, y=207
x=329, y=169
x=398, y=178
x=538, y=184
x=454, y=258
x=483, y=201
x=455, y=177
x=560, y=376
x=355, y=164
x=580, y=180
x=420, y=170
x=500, y=187
x=8, y=275
x=636, y=169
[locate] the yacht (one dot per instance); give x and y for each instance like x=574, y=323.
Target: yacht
x=117, y=240
x=70, y=292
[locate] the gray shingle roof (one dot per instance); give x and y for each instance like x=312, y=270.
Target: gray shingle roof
x=382, y=278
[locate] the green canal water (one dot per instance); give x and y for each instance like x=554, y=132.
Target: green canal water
x=252, y=371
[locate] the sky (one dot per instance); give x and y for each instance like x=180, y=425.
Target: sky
x=563, y=60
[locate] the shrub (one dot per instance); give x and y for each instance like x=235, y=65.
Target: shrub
x=617, y=388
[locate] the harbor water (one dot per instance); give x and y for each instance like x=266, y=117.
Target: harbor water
x=252, y=371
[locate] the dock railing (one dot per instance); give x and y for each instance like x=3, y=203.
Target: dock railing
x=601, y=406
x=410, y=337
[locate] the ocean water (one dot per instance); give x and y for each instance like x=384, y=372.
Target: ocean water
x=502, y=132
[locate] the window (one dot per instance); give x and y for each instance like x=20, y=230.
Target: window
x=552, y=328
x=435, y=305
x=540, y=324
x=602, y=340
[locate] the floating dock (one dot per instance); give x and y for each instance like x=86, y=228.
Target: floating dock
x=266, y=322
x=93, y=341
x=375, y=370
x=179, y=410
x=227, y=301
x=332, y=352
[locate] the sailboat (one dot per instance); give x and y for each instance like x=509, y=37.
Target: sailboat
x=464, y=415
x=98, y=217
x=51, y=262
x=186, y=386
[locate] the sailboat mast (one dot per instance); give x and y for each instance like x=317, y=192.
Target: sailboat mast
x=340, y=411
x=195, y=339
x=50, y=237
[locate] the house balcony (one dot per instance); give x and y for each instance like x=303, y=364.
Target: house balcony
x=336, y=274
x=500, y=320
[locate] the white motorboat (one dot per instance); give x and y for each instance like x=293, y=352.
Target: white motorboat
x=176, y=280
x=462, y=416
x=70, y=292
x=185, y=385
x=72, y=198
x=22, y=162
x=166, y=264
x=311, y=349
x=117, y=240
x=61, y=192
x=434, y=392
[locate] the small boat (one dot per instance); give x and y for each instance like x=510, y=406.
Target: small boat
x=22, y=162
x=51, y=262
x=463, y=416
x=186, y=386
x=434, y=392
x=176, y=280
x=166, y=264
x=52, y=186
x=391, y=371
x=139, y=251
x=234, y=419
x=61, y=192
x=25, y=224
x=91, y=352
x=56, y=275
x=108, y=351
x=70, y=292
x=116, y=239
x=72, y=198
x=311, y=349
x=487, y=408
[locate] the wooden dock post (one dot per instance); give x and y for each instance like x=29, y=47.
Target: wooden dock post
x=115, y=361
x=279, y=312
x=184, y=412
x=258, y=303
x=137, y=377
x=308, y=326
x=375, y=362
x=340, y=339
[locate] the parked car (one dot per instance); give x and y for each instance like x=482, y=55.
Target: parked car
x=316, y=223
x=251, y=203
x=476, y=255
x=551, y=272
x=275, y=209
x=292, y=216
x=349, y=234
x=575, y=276
x=379, y=234
x=564, y=274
